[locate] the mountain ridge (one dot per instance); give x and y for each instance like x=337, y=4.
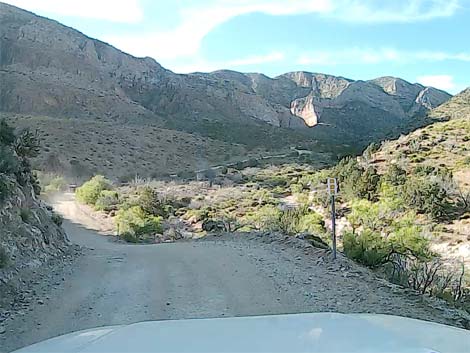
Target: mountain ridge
x=48, y=69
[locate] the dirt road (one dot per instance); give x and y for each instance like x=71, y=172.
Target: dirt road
x=114, y=283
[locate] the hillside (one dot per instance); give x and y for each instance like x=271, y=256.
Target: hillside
x=444, y=145
x=50, y=70
x=458, y=107
x=30, y=233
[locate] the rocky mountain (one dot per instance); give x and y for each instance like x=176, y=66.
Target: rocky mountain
x=48, y=69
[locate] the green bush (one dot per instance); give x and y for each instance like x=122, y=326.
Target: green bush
x=135, y=222
x=426, y=195
x=3, y=257
x=368, y=248
x=108, y=200
x=89, y=192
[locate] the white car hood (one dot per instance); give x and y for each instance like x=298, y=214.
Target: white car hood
x=321, y=332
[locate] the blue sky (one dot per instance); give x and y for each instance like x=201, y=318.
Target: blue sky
x=424, y=41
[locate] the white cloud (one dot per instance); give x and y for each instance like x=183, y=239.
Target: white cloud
x=124, y=11
x=197, y=19
x=367, y=11
x=445, y=82
x=196, y=22
x=374, y=56
x=208, y=66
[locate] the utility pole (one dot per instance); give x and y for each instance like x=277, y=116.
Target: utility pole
x=333, y=191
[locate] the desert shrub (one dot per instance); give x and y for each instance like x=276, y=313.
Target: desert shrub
x=368, y=248
x=265, y=218
x=395, y=175
x=89, y=192
x=151, y=202
x=431, y=276
x=3, y=257
x=367, y=184
x=406, y=238
x=134, y=221
x=289, y=221
x=57, y=219
x=107, y=201
x=375, y=216
x=355, y=181
x=426, y=195
x=312, y=223
x=25, y=214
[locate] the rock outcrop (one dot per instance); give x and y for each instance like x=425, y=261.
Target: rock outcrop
x=30, y=234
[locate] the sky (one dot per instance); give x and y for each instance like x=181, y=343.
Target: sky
x=425, y=41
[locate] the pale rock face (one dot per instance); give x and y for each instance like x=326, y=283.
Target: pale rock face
x=305, y=109
x=430, y=97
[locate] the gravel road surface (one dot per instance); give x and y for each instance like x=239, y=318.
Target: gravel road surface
x=230, y=275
